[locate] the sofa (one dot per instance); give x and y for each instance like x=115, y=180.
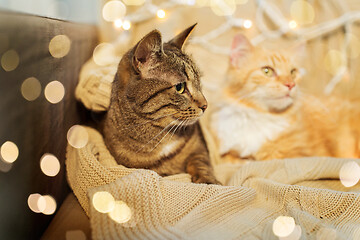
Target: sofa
x=37, y=126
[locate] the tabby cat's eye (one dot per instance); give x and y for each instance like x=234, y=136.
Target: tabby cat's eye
x=180, y=87
x=268, y=71
x=293, y=72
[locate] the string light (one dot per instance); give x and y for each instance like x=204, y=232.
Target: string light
x=77, y=136
x=349, y=174
x=121, y=212
x=292, y=24
x=49, y=165
x=113, y=10
x=54, y=92
x=160, y=13
x=126, y=25
x=10, y=60
x=103, y=202
x=59, y=46
x=247, y=24
x=31, y=89
x=283, y=226
x=118, y=23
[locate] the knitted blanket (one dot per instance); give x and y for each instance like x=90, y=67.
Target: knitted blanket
x=255, y=194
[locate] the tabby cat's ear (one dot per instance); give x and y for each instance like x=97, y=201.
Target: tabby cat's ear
x=180, y=39
x=147, y=49
x=241, y=48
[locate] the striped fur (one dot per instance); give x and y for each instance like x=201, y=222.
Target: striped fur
x=150, y=124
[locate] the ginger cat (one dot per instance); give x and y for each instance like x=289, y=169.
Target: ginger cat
x=265, y=116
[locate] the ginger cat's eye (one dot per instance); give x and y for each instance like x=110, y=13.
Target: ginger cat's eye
x=293, y=72
x=180, y=87
x=268, y=71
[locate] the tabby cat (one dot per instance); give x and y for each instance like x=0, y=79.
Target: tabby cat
x=156, y=102
x=264, y=114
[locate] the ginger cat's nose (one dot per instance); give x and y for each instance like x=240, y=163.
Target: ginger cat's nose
x=290, y=85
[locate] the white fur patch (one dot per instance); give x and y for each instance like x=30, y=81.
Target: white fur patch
x=169, y=148
x=244, y=129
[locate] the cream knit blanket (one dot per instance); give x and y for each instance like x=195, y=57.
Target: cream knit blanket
x=255, y=194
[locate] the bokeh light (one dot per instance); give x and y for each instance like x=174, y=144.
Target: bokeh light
x=334, y=61
x=349, y=174
x=103, y=202
x=33, y=202
x=223, y=7
x=326, y=234
x=50, y=205
x=126, y=25
x=9, y=152
x=247, y=24
x=113, y=10
x=59, y=46
x=302, y=12
x=121, y=212
x=31, y=89
x=160, y=13
x=77, y=136
x=353, y=49
x=134, y=2
x=75, y=235
x=118, y=23
x=283, y=226
x=104, y=54
x=292, y=24
x=10, y=60
x=295, y=235
x=54, y=92
x=49, y=165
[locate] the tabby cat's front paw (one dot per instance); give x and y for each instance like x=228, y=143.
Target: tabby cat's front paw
x=205, y=179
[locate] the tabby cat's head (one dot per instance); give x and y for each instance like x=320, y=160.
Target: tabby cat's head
x=160, y=81
x=265, y=80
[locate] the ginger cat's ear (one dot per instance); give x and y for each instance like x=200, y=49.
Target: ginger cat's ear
x=180, y=39
x=241, y=48
x=147, y=48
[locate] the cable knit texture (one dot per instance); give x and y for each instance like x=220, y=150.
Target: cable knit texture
x=306, y=189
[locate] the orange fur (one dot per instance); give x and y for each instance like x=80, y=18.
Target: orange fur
x=316, y=126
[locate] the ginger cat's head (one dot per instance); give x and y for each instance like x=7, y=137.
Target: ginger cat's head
x=262, y=79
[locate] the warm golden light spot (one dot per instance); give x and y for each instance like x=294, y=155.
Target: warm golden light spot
x=121, y=212
x=50, y=205
x=134, y=2
x=54, y=92
x=31, y=89
x=223, y=7
x=160, y=13
x=10, y=60
x=295, y=235
x=118, y=23
x=41, y=203
x=113, y=10
x=77, y=136
x=9, y=152
x=326, y=234
x=103, y=202
x=353, y=49
x=334, y=61
x=283, y=226
x=247, y=24
x=292, y=24
x=104, y=54
x=302, y=12
x=33, y=201
x=126, y=25
x=59, y=46
x=49, y=165
x=75, y=235
x=349, y=174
